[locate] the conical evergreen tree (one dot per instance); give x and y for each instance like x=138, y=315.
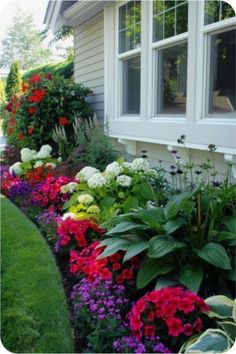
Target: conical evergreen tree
x=13, y=83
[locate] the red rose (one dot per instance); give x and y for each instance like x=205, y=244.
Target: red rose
x=32, y=110
x=63, y=121
x=20, y=136
x=35, y=78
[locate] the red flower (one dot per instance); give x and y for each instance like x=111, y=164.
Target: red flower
x=10, y=131
x=149, y=331
x=35, y=78
x=63, y=121
x=37, y=96
x=116, y=266
x=20, y=136
x=198, y=325
x=48, y=76
x=24, y=87
x=119, y=279
x=30, y=130
x=188, y=330
x=32, y=110
x=127, y=274
x=175, y=326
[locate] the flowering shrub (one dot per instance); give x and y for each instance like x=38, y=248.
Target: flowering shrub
x=86, y=262
x=48, y=193
x=132, y=344
x=7, y=180
x=77, y=233
x=45, y=101
x=99, y=309
x=168, y=313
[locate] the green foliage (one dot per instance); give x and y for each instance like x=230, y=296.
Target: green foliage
x=2, y=91
x=23, y=43
x=190, y=237
x=99, y=151
x=35, y=316
x=64, y=68
x=13, y=82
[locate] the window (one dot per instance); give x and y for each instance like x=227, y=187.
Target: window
x=129, y=57
x=221, y=61
x=170, y=19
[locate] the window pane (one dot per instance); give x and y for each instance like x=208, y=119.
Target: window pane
x=216, y=11
x=169, y=18
x=222, y=73
x=131, y=86
x=129, y=26
x=172, y=80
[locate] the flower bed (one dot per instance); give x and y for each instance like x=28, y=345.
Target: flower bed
x=140, y=253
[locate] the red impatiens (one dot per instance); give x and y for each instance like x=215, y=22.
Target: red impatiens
x=172, y=311
x=32, y=110
x=77, y=233
x=63, y=121
x=111, y=267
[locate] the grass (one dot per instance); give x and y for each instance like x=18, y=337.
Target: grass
x=35, y=316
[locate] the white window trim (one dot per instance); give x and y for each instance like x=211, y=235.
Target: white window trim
x=200, y=130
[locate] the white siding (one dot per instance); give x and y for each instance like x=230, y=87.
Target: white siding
x=89, y=60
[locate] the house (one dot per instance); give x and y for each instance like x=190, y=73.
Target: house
x=159, y=69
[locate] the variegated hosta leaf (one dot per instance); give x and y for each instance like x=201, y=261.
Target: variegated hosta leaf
x=221, y=306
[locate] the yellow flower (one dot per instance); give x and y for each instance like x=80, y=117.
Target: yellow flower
x=82, y=215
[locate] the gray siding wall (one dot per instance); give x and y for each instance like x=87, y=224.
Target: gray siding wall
x=89, y=60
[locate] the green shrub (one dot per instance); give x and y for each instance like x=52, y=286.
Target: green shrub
x=46, y=102
x=64, y=68
x=13, y=83
x=2, y=91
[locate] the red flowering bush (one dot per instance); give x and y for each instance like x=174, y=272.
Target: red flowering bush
x=77, y=233
x=86, y=262
x=48, y=195
x=169, y=312
x=44, y=102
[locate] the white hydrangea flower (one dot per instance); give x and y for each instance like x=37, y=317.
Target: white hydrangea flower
x=68, y=215
x=124, y=181
x=27, y=154
x=86, y=172
x=38, y=164
x=51, y=164
x=93, y=209
x=127, y=165
x=97, y=180
x=85, y=199
x=113, y=169
x=59, y=159
x=140, y=164
x=69, y=187
x=16, y=168
x=44, y=152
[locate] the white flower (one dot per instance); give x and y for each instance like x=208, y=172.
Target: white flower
x=59, y=159
x=85, y=199
x=27, y=154
x=113, y=169
x=69, y=187
x=68, y=215
x=86, y=172
x=140, y=164
x=38, y=164
x=93, y=209
x=124, y=181
x=97, y=180
x=16, y=168
x=127, y=165
x=51, y=164
x=44, y=152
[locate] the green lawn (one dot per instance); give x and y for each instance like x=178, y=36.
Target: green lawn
x=35, y=315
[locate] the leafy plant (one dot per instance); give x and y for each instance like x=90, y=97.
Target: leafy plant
x=13, y=82
x=221, y=338
x=188, y=241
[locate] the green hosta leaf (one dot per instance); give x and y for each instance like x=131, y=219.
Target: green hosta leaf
x=191, y=276
x=210, y=341
x=215, y=254
x=230, y=328
x=126, y=226
x=232, y=243
x=151, y=268
x=117, y=245
x=146, y=191
x=159, y=246
x=173, y=225
x=107, y=202
x=153, y=217
x=224, y=235
x=231, y=274
x=221, y=306
x=130, y=203
x=174, y=204
x=135, y=249
x=165, y=282
x=230, y=223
